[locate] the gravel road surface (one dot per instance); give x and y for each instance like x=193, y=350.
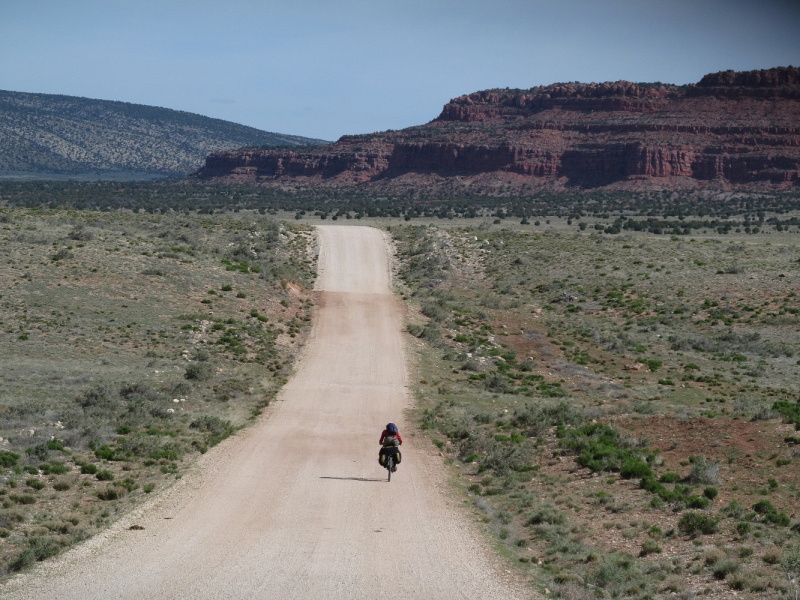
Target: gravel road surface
x=297, y=506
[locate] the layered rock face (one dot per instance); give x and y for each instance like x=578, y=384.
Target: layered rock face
x=730, y=129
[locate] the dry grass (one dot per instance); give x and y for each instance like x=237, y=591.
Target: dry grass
x=118, y=364
x=522, y=328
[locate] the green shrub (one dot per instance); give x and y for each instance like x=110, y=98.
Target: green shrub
x=738, y=583
x=693, y=524
x=723, y=568
x=649, y=547
x=670, y=478
x=61, y=255
x=98, y=396
x=36, y=484
x=789, y=411
x=23, y=560
x=790, y=559
x=680, y=493
x=655, y=532
x=599, y=448
x=88, y=469
x=39, y=548
x=413, y=329
x=227, y=288
x=40, y=452
x=199, y=371
x=108, y=453
x=167, y=451
x=653, y=364
x=218, y=428
x=546, y=515
x=710, y=493
x=565, y=577
x=105, y=476
x=615, y=574
x=634, y=467
x=743, y=528
x=780, y=519
x=698, y=502
x=55, y=445
x=772, y=556
x=734, y=510
x=108, y=494
x=770, y=514
x=23, y=499
x=129, y=483
x=55, y=468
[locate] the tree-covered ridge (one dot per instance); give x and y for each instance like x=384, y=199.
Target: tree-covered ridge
x=46, y=133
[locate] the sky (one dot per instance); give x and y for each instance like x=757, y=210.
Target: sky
x=326, y=68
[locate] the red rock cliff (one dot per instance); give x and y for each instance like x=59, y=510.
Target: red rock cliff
x=728, y=129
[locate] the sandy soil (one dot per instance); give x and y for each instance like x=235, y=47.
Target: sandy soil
x=297, y=506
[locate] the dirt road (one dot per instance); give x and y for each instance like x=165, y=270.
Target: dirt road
x=297, y=506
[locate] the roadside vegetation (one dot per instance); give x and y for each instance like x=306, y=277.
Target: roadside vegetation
x=619, y=402
x=130, y=344
x=656, y=211
x=612, y=376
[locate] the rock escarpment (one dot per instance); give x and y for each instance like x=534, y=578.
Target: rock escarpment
x=729, y=129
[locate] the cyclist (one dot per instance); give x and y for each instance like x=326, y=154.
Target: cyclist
x=390, y=444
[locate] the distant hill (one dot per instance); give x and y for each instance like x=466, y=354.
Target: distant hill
x=46, y=134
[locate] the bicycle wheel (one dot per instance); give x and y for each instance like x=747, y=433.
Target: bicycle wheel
x=389, y=465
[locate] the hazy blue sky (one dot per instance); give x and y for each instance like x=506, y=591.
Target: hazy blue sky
x=328, y=68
